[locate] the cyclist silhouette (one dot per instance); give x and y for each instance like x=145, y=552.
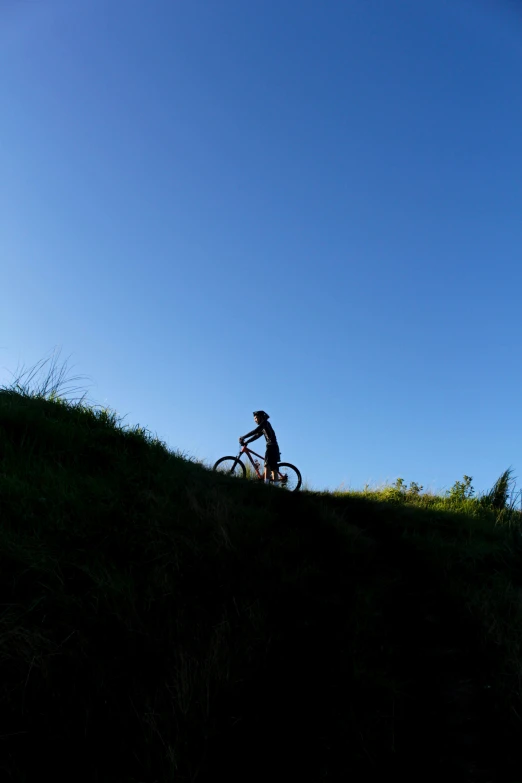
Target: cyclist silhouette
x=272, y=455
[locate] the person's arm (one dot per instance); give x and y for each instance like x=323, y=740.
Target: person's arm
x=256, y=433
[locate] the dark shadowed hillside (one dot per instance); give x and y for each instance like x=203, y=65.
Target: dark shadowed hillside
x=160, y=622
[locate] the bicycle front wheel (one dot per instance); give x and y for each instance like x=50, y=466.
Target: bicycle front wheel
x=289, y=477
x=231, y=466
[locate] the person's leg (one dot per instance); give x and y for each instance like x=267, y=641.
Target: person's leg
x=273, y=460
x=267, y=469
x=270, y=462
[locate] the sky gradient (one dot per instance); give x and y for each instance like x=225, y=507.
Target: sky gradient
x=310, y=208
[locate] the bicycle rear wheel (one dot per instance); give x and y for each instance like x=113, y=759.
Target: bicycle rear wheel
x=289, y=477
x=231, y=466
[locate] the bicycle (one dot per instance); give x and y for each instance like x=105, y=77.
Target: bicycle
x=289, y=477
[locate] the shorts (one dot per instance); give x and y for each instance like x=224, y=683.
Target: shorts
x=272, y=456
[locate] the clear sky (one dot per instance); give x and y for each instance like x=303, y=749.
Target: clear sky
x=315, y=208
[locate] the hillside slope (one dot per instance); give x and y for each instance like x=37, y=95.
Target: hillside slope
x=160, y=622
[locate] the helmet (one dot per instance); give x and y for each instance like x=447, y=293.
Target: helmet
x=261, y=414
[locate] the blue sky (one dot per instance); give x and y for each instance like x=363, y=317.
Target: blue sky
x=313, y=208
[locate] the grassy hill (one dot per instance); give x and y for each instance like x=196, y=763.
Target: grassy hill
x=160, y=622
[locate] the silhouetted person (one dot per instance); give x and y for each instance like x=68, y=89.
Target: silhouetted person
x=272, y=455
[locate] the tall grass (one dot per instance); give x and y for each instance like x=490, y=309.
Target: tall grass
x=502, y=495
x=50, y=378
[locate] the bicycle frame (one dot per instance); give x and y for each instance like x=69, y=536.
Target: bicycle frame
x=249, y=452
